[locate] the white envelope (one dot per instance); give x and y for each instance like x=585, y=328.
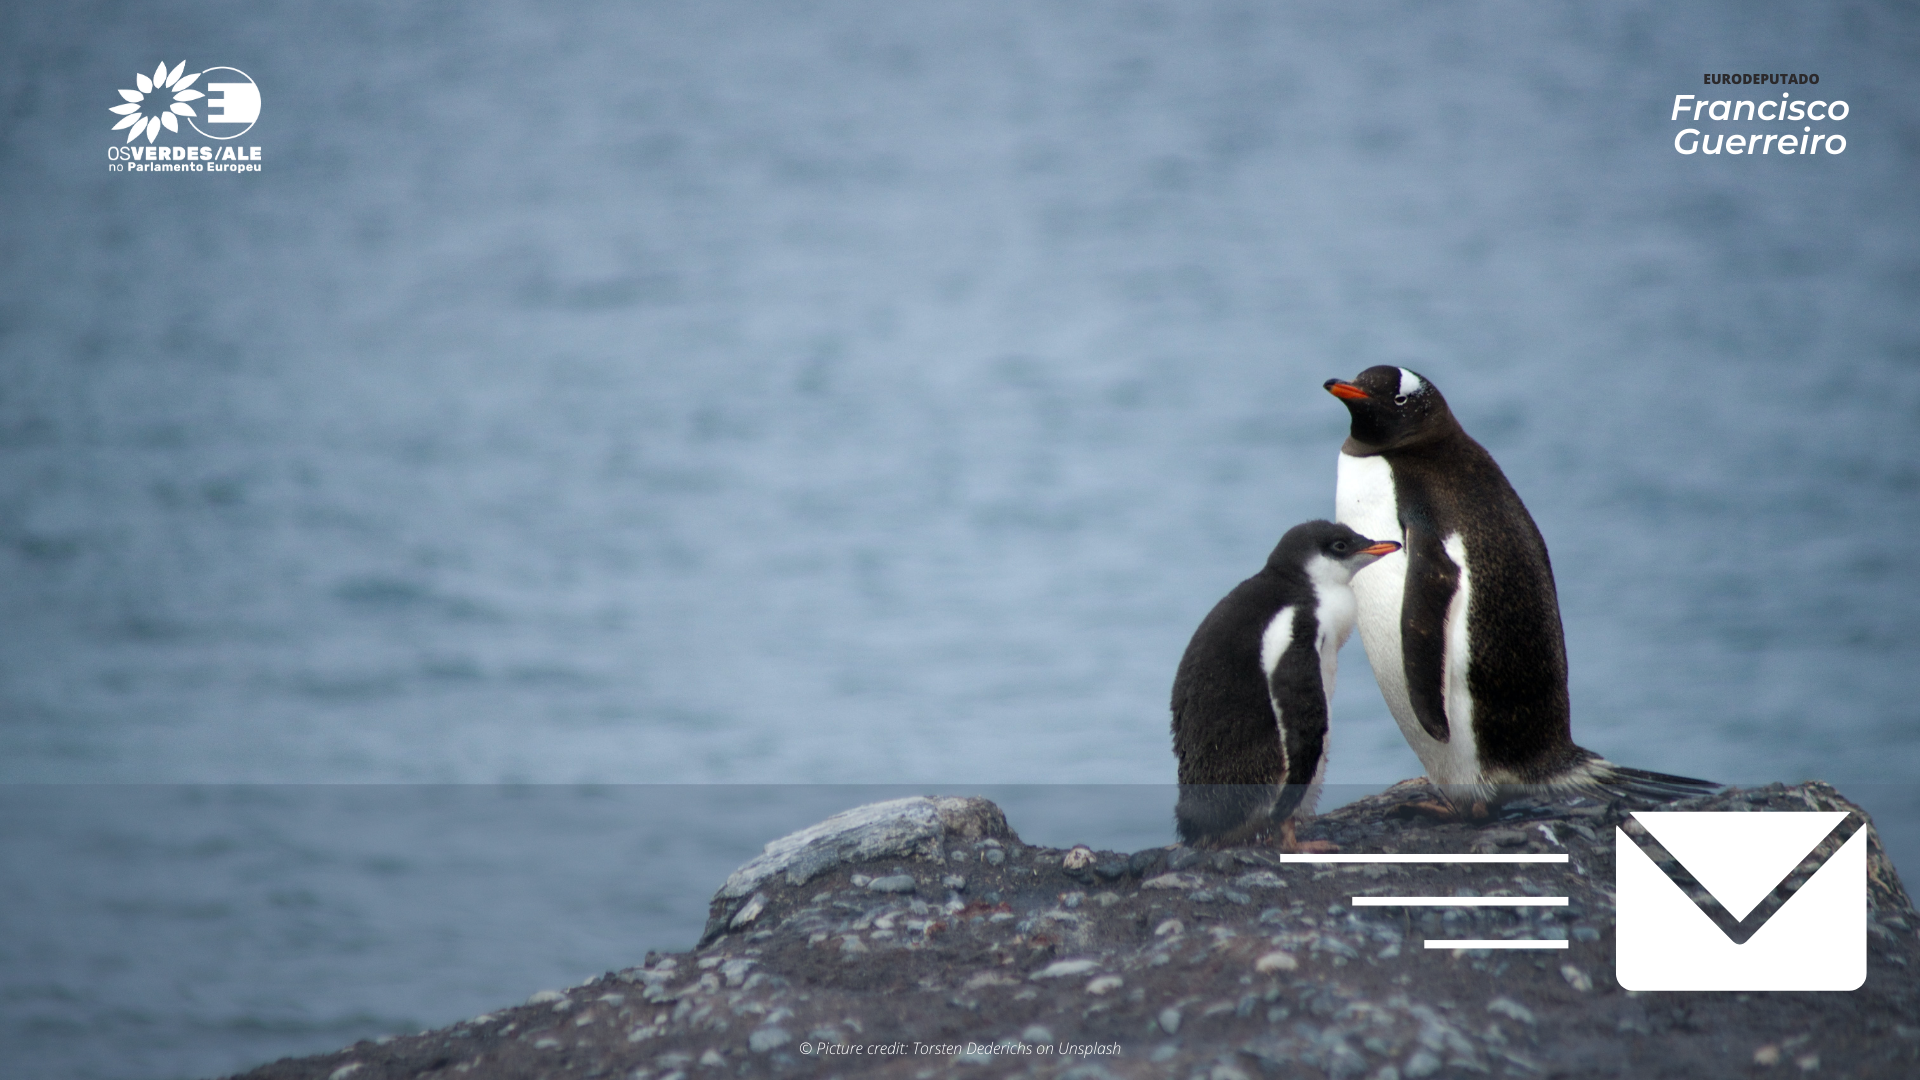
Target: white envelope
x=1816, y=941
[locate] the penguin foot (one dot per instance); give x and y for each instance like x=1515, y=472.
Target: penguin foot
x=1293, y=845
x=1441, y=810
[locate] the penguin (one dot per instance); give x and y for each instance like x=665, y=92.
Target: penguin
x=1462, y=624
x=1250, y=697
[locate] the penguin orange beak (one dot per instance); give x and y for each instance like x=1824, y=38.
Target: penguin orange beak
x=1384, y=547
x=1345, y=391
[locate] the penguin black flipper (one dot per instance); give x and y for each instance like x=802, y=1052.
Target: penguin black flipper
x=1432, y=580
x=1300, y=707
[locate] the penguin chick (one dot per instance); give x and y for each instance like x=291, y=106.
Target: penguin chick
x=1250, y=698
x=1462, y=626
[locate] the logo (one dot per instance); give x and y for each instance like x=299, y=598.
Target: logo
x=1744, y=901
x=229, y=104
x=219, y=104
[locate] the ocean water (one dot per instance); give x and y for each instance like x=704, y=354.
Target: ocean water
x=587, y=403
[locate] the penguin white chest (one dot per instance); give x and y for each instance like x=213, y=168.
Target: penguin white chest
x=1334, y=611
x=1364, y=502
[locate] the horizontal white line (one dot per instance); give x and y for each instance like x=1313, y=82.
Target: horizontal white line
x=1460, y=901
x=1500, y=943
x=1442, y=858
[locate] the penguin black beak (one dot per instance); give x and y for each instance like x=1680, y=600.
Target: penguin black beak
x=1345, y=391
x=1384, y=547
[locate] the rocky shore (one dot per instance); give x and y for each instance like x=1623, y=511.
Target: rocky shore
x=921, y=938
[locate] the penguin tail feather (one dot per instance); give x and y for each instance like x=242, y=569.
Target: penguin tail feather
x=1619, y=780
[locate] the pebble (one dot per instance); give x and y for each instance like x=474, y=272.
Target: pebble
x=1182, y=858
x=1275, y=961
x=1060, y=969
x=1767, y=1056
x=344, y=1071
x=1169, y=928
x=542, y=997
x=1260, y=879
x=1226, y=1071
x=1169, y=1019
x=1512, y=1008
x=896, y=883
x=1079, y=858
x=956, y=882
x=711, y=1058
x=767, y=1038
x=1174, y=880
x=859, y=881
x=1576, y=978
x=749, y=911
x=1422, y=1064
x=994, y=856
x=1105, y=984
x=1036, y=1034
x=1334, y=945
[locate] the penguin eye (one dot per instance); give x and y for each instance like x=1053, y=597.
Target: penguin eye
x=1399, y=399
x=1339, y=545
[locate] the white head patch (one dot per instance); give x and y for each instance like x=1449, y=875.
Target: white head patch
x=1323, y=571
x=1410, y=383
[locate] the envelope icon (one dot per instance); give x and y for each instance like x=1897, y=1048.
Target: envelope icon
x=1665, y=940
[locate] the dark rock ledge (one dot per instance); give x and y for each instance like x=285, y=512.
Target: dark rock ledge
x=924, y=935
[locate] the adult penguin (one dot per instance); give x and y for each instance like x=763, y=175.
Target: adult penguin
x=1462, y=625
x=1250, y=698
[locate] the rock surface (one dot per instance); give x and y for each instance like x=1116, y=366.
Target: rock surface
x=921, y=938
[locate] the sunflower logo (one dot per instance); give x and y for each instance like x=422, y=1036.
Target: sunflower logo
x=135, y=113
